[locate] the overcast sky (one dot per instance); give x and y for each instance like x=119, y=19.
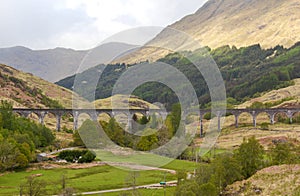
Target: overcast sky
x=82, y=24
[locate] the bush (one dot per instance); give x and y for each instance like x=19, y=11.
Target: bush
x=284, y=153
x=87, y=157
x=209, y=116
x=208, y=189
x=69, y=158
x=77, y=141
x=264, y=126
x=71, y=154
x=65, y=129
x=250, y=156
x=257, y=105
x=82, y=156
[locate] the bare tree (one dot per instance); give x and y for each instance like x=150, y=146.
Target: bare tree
x=131, y=181
x=33, y=187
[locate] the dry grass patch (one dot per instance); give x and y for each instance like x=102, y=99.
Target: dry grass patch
x=277, y=95
x=121, y=101
x=275, y=180
x=232, y=137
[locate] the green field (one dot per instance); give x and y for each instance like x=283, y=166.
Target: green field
x=148, y=159
x=82, y=180
x=91, y=179
x=181, y=165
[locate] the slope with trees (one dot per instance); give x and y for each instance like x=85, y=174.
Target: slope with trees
x=19, y=138
x=246, y=71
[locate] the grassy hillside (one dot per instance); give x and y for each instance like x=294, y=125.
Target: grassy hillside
x=275, y=180
x=26, y=90
x=230, y=22
x=283, y=97
x=231, y=137
x=121, y=101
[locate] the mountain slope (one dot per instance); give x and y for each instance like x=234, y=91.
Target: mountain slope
x=246, y=71
x=55, y=64
x=244, y=23
x=26, y=90
x=232, y=22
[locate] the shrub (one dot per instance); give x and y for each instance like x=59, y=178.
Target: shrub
x=87, y=157
x=208, y=189
x=283, y=153
x=257, y=105
x=250, y=156
x=69, y=159
x=208, y=116
x=82, y=156
x=264, y=126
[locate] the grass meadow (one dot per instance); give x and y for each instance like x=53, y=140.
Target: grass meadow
x=92, y=179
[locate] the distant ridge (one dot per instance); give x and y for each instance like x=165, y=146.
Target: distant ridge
x=55, y=64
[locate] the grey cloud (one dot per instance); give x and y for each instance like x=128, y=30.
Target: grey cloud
x=39, y=23
x=34, y=20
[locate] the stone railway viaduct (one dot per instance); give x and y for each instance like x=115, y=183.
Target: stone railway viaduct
x=94, y=113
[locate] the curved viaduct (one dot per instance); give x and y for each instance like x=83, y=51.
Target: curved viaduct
x=94, y=113
x=75, y=113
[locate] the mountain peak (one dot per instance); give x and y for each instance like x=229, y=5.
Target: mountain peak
x=234, y=22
